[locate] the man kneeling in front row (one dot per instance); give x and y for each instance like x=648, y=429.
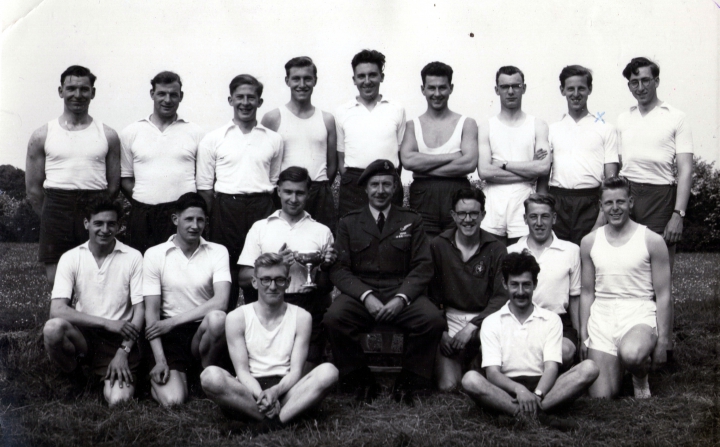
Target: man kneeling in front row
x=268, y=342
x=522, y=352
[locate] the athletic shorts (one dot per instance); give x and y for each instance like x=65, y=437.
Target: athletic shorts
x=177, y=346
x=62, y=222
x=569, y=331
x=432, y=199
x=653, y=205
x=150, y=225
x=456, y=321
x=529, y=382
x=269, y=381
x=353, y=196
x=102, y=348
x=577, y=211
x=611, y=319
x=504, y=209
x=316, y=306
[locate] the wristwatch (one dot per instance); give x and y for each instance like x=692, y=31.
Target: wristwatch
x=680, y=213
x=504, y=166
x=539, y=394
x=125, y=348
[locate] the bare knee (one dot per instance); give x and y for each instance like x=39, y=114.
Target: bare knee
x=447, y=383
x=116, y=395
x=327, y=375
x=474, y=382
x=633, y=355
x=588, y=371
x=211, y=380
x=568, y=352
x=215, y=321
x=54, y=330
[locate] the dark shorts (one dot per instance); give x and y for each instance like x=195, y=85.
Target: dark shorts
x=269, y=381
x=653, y=205
x=177, y=346
x=149, y=225
x=321, y=204
x=62, y=222
x=577, y=211
x=569, y=331
x=353, y=196
x=316, y=306
x=529, y=382
x=432, y=199
x=102, y=348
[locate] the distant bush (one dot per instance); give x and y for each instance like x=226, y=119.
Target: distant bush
x=18, y=221
x=701, y=230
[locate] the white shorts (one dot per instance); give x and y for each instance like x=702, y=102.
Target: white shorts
x=504, y=209
x=458, y=319
x=611, y=319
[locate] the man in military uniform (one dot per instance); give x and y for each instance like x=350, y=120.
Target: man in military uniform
x=384, y=266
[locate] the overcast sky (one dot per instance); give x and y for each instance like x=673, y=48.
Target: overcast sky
x=126, y=42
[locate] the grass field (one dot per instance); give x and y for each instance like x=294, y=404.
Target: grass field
x=34, y=409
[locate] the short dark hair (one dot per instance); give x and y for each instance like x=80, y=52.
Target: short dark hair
x=540, y=199
x=270, y=260
x=190, y=200
x=509, y=70
x=78, y=71
x=246, y=79
x=637, y=63
x=102, y=203
x=294, y=174
x=615, y=182
x=575, y=70
x=469, y=194
x=164, y=78
x=437, y=69
x=369, y=57
x=516, y=264
x=300, y=62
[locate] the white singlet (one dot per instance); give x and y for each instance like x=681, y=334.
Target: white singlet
x=269, y=351
x=305, y=142
x=450, y=147
x=75, y=159
x=622, y=272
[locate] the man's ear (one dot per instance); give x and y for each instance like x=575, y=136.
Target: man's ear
x=254, y=283
x=86, y=223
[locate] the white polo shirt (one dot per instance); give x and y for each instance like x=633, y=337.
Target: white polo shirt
x=162, y=162
x=242, y=163
x=108, y=291
x=580, y=151
x=184, y=283
x=559, y=276
x=367, y=135
x=648, y=144
x=269, y=235
x=521, y=349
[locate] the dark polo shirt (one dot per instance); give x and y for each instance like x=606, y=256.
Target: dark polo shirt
x=472, y=286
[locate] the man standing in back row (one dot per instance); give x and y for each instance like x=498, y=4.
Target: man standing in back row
x=369, y=128
x=513, y=154
x=440, y=147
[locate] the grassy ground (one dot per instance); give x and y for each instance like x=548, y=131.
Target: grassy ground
x=35, y=409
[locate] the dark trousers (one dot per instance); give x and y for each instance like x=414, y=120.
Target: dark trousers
x=316, y=304
x=321, y=204
x=422, y=323
x=653, y=205
x=353, y=196
x=150, y=225
x=577, y=211
x=231, y=218
x=432, y=199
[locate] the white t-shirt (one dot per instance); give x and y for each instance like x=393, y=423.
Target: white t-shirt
x=242, y=163
x=648, y=144
x=162, y=163
x=108, y=291
x=559, y=276
x=269, y=235
x=580, y=151
x=521, y=349
x=368, y=135
x=184, y=283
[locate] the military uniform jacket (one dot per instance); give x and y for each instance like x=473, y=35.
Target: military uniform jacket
x=398, y=261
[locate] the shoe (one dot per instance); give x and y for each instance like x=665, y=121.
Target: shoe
x=408, y=386
x=556, y=422
x=368, y=393
x=641, y=386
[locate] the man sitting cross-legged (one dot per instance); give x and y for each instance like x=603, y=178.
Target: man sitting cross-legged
x=268, y=342
x=186, y=284
x=104, y=276
x=522, y=352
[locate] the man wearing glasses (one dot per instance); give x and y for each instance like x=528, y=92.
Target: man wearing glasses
x=467, y=283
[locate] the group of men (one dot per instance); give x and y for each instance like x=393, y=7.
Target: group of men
x=440, y=272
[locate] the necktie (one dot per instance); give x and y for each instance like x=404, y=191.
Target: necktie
x=381, y=221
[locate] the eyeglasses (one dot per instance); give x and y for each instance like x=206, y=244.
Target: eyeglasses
x=280, y=281
x=635, y=83
x=508, y=86
x=464, y=214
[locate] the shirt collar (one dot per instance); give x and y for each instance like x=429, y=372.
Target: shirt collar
x=119, y=246
x=355, y=102
x=566, y=117
x=228, y=126
x=169, y=244
x=556, y=244
x=662, y=105
x=178, y=119
x=376, y=213
x=505, y=310
x=276, y=215
x=485, y=237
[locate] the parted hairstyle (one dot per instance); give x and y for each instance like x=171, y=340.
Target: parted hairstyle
x=164, y=78
x=300, y=62
x=103, y=203
x=294, y=174
x=78, y=71
x=637, y=63
x=509, y=70
x=516, y=264
x=437, y=69
x=369, y=57
x=540, y=199
x=615, y=182
x=576, y=70
x=469, y=194
x=270, y=260
x=190, y=200
x=246, y=79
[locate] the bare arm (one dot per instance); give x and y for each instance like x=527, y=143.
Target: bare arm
x=153, y=303
x=127, y=184
x=35, y=169
x=332, y=153
x=60, y=308
x=486, y=170
x=610, y=169
x=587, y=293
x=235, y=333
x=574, y=311
x=465, y=164
x=299, y=353
x=208, y=195
x=245, y=275
x=413, y=160
x=661, y=277
x=219, y=301
x=112, y=162
x=341, y=162
x=549, y=376
x=272, y=119
x=673, y=229
x=538, y=166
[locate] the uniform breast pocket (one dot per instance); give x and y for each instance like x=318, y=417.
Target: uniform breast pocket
x=402, y=244
x=359, y=244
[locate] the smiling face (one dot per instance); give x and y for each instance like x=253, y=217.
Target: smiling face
x=510, y=89
x=467, y=216
x=367, y=78
x=166, y=99
x=540, y=219
x=301, y=81
x=643, y=86
x=380, y=189
x=272, y=293
x=576, y=92
x=437, y=91
x=77, y=92
x=520, y=290
x=293, y=196
x=616, y=205
x=245, y=102
x=190, y=224
x=102, y=228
